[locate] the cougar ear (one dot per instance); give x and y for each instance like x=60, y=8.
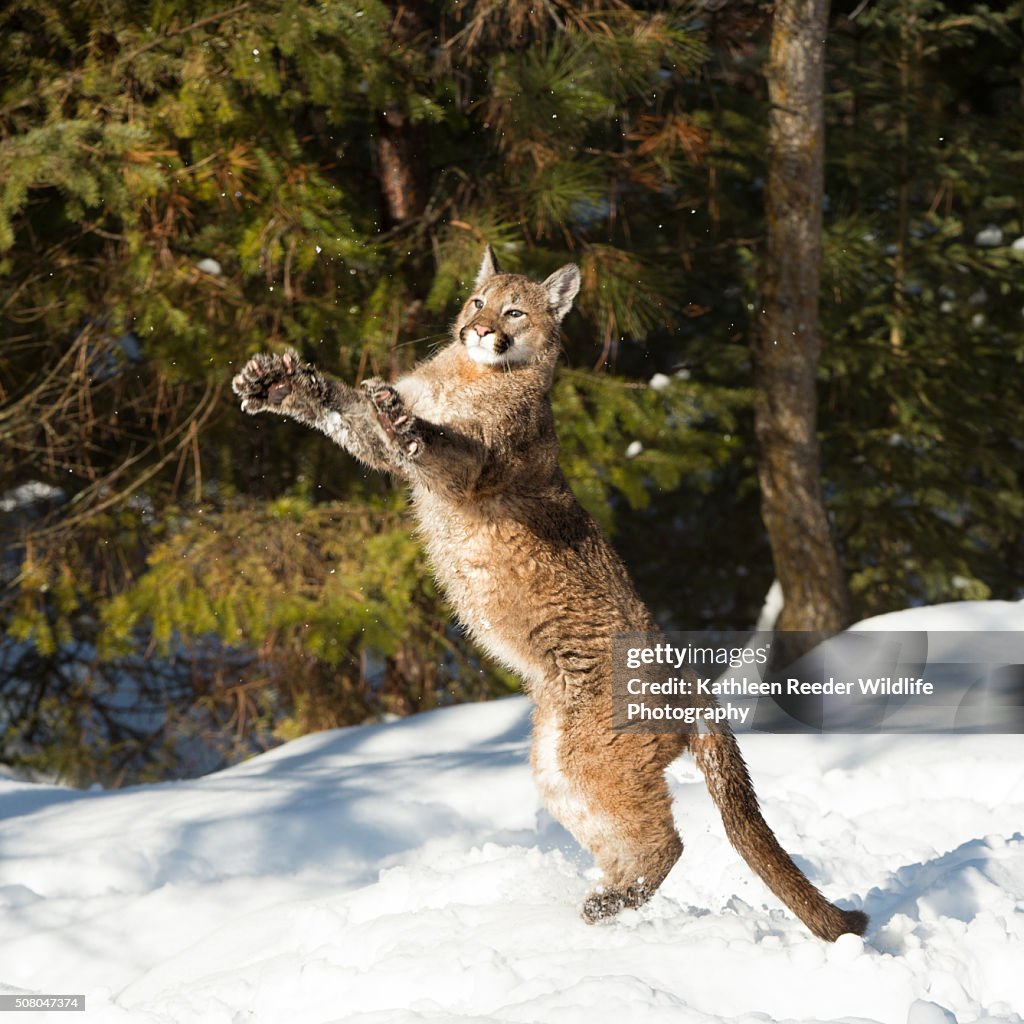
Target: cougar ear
x=561, y=288
x=488, y=267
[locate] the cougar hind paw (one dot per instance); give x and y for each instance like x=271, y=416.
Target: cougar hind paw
x=266, y=380
x=607, y=903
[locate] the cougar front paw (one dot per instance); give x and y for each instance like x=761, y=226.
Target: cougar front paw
x=266, y=380
x=397, y=424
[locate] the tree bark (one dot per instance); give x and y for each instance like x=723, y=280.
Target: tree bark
x=402, y=152
x=402, y=149
x=787, y=343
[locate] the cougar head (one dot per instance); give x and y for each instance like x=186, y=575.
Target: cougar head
x=510, y=320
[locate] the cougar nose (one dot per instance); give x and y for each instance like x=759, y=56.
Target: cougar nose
x=482, y=330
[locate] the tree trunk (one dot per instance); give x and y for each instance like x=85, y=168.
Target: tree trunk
x=402, y=150
x=787, y=343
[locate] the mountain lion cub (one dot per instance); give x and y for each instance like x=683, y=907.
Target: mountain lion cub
x=534, y=580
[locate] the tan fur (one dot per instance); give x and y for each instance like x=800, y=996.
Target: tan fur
x=534, y=580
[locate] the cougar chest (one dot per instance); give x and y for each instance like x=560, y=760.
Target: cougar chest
x=489, y=573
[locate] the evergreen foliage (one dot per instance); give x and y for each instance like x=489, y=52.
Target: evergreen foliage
x=923, y=392
x=185, y=182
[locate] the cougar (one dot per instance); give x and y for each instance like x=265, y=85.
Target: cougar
x=534, y=580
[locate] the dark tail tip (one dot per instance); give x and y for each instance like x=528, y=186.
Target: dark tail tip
x=835, y=922
x=856, y=921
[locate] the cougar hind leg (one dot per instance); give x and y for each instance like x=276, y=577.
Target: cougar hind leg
x=611, y=794
x=635, y=854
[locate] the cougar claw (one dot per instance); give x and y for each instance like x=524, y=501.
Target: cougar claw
x=266, y=380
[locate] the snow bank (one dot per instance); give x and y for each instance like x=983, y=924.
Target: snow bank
x=406, y=872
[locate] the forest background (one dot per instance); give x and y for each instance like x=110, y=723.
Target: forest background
x=183, y=183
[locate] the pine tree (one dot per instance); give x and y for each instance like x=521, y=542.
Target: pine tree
x=921, y=301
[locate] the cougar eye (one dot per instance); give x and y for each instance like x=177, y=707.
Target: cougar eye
x=514, y=313
x=479, y=303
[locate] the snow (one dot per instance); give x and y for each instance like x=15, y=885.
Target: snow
x=208, y=265
x=989, y=237
x=406, y=872
x=771, y=609
x=28, y=494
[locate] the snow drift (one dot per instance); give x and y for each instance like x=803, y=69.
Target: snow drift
x=406, y=872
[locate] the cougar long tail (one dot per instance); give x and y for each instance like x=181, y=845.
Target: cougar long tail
x=719, y=758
